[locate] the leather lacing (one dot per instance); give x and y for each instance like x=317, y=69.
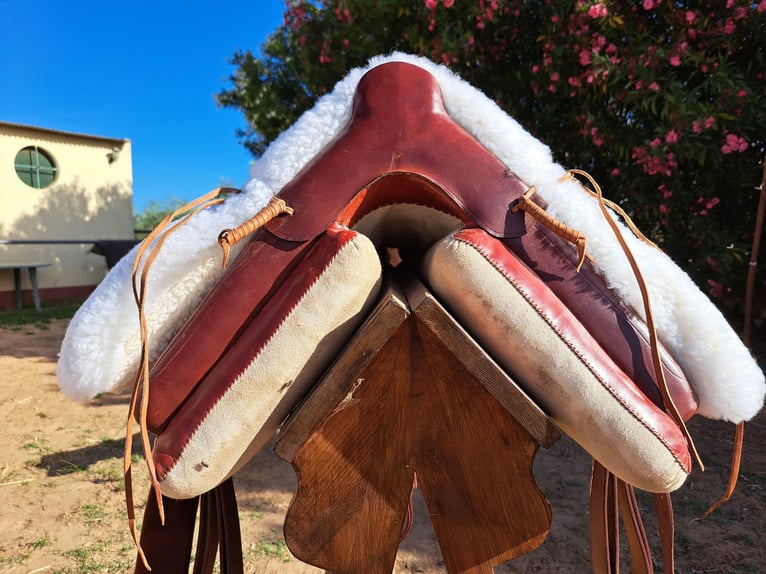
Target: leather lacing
x=570, y=234
x=142, y=263
x=144, y=258
x=230, y=237
x=654, y=344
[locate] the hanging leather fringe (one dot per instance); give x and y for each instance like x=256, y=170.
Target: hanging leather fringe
x=739, y=436
x=145, y=256
x=667, y=400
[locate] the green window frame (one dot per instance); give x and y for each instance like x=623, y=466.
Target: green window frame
x=35, y=167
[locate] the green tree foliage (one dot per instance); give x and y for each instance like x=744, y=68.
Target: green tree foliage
x=663, y=102
x=153, y=213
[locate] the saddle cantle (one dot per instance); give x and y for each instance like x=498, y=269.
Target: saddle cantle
x=402, y=174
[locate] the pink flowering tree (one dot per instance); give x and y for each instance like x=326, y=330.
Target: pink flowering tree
x=663, y=102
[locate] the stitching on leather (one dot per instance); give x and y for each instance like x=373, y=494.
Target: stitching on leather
x=571, y=346
x=241, y=373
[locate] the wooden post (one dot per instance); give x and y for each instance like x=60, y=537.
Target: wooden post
x=412, y=393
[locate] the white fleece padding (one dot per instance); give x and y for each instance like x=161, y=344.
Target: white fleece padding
x=563, y=384
x=268, y=388
x=100, y=352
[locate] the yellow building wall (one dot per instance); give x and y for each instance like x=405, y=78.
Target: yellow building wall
x=90, y=199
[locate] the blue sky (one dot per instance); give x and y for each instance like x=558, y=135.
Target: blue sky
x=144, y=71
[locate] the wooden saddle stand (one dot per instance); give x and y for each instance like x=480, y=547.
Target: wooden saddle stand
x=410, y=392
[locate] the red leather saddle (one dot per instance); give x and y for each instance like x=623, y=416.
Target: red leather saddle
x=401, y=175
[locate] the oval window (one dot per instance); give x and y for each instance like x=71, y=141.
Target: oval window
x=35, y=167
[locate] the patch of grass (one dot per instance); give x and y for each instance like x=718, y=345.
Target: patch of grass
x=748, y=568
x=86, y=559
x=39, y=543
x=68, y=467
x=92, y=512
x=17, y=319
x=38, y=444
x=275, y=548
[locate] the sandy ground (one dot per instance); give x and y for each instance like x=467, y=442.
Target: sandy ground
x=62, y=495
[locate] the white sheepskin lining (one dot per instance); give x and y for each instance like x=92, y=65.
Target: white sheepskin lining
x=100, y=351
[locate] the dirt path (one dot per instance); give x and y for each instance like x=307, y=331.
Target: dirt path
x=62, y=506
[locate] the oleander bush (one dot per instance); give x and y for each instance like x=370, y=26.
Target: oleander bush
x=663, y=102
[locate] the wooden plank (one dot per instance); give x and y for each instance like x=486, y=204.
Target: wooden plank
x=342, y=376
x=479, y=364
x=354, y=478
x=474, y=463
x=412, y=394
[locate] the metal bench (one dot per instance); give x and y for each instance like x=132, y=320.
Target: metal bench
x=32, y=268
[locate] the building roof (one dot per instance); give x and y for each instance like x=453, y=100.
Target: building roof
x=61, y=132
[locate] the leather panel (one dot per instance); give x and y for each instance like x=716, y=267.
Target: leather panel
x=248, y=284
x=425, y=141
x=581, y=342
x=589, y=299
x=243, y=371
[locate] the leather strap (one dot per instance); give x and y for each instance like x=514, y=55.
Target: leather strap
x=611, y=497
x=207, y=539
x=640, y=553
x=664, y=507
x=604, y=522
x=168, y=548
x=228, y=528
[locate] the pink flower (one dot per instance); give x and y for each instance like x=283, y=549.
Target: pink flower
x=675, y=61
x=449, y=3
x=656, y=142
x=761, y=6
x=716, y=288
x=663, y=208
x=431, y=4
x=648, y=4
x=709, y=121
x=585, y=57
x=597, y=138
x=712, y=202
x=654, y=87
x=733, y=143
x=597, y=11
x=616, y=172
x=555, y=76
x=690, y=17
x=671, y=137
